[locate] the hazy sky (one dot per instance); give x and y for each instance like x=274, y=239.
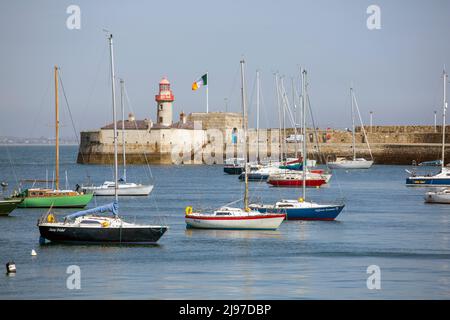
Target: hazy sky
x=396, y=71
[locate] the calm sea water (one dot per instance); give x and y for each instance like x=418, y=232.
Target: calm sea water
x=384, y=224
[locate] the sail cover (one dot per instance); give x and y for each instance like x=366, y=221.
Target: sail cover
x=112, y=207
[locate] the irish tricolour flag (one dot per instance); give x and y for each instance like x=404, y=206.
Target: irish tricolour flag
x=203, y=81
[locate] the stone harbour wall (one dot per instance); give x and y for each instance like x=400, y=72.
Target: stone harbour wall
x=389, y=144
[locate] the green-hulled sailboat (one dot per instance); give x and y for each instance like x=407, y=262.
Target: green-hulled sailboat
x=44, y=197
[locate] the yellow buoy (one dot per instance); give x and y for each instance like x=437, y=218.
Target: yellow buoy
x=105, y=224
x=188, y=210
x=300, y=199
x=50, y=218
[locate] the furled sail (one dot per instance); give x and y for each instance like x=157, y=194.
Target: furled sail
x=112, y=207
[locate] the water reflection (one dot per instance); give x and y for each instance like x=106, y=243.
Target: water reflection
x=233, y=234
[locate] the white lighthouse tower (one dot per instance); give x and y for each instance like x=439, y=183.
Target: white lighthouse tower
x=164, y=100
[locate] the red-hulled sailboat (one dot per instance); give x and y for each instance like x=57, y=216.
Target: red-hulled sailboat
x=295, y=179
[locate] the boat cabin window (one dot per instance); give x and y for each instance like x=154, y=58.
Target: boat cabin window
x=285, y=205
x=223, y=213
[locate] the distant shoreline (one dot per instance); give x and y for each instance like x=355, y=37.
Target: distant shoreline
x=36, y=144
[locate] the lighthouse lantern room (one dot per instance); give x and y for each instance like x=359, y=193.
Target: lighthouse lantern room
x=164, y=100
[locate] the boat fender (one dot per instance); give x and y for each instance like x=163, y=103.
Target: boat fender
x=188, y=210
x=105, y=224
x=50, y=218
x=248, y=209
x=10, y=267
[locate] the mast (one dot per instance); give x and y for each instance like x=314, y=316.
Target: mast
x=56, y=131
x=280, y=147
x=123, y=131
x=353, y=125
x=295, y=117
x=257, y=116
x=304, y=73
x=284, y=120
x=244, y=113
x=113, y=92
x=445, y=76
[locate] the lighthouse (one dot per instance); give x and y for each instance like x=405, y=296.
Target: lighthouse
x=164, y=101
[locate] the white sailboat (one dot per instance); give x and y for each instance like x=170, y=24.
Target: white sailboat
x=124, y=188
x=236, y=218
x=353, y=163
x=89, y=226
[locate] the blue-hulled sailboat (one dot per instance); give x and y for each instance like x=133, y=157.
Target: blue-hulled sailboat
x=442, y=178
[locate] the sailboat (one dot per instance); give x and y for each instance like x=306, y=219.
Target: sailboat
x=88, y=226
x=236, y=218
x=7, y=206
x=301, y=209
x=56, y=198
x=442, y=178
x=353, y=163
x=125, y=188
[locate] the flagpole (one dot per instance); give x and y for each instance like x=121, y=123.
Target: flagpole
x=207, y=97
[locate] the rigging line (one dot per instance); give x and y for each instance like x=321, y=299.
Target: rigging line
x=149, y=170
x=288, y=108
x=251, y=97
x=70, y=116
x=249, y=111
x=319, y=153
x=136, y=127
x=362, y=125
x=12, y=165
x=93, y=86
x=39, y=109
x=92, y=89
x=235, y=80
x=318, y=144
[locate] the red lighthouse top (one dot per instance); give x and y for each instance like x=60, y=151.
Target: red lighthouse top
x=165, y=94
